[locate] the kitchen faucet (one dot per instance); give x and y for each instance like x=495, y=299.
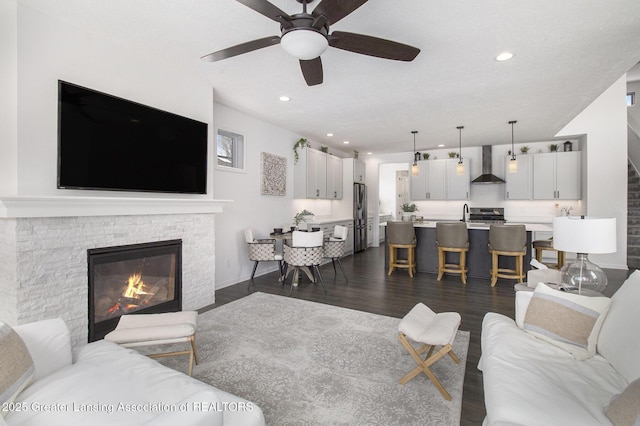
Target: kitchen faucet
x=465, y=210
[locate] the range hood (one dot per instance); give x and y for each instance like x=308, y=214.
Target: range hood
x=487, y=176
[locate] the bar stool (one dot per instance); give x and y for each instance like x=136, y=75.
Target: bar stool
x=452, y=237
x=507, y=240
x=401, y=235
x=540, y=245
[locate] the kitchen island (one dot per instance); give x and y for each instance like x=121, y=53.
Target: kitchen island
x=478, y=257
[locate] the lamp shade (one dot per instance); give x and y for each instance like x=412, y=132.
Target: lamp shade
x=583, y=234
x=304, y=44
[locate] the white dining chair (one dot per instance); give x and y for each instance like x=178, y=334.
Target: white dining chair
x=302, y=252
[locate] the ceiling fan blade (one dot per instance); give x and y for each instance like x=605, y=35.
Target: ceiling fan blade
x=241, y=48
x=267, y=9
x=373, y=46
x=312, y=71
x=335, y=10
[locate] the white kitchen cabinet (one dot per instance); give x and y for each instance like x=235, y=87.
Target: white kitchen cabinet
x=334, y=177
x=317, y=175
x=359, y=171
x=458, y=186
x=430, y=184
x=519, y=185
x=556, y=176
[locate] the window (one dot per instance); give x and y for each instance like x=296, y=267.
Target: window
x=230, y=150
x=631, y=99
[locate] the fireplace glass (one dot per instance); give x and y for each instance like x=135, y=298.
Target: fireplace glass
x=140, y=278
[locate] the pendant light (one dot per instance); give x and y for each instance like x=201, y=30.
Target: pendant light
x=460, y=166
x=513, y=163
x=414, y=166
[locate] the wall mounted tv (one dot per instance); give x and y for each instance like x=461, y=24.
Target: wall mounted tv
x=109, y=143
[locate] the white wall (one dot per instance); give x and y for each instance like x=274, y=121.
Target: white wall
x=604, y=123
x=49, y=50
x=9, y=98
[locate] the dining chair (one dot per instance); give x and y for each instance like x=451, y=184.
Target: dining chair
x=261, y=250
x=334, y=247
x=302, y=252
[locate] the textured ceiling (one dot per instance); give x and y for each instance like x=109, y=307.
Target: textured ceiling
x=566, y=54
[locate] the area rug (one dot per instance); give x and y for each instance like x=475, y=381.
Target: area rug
x=306, y=363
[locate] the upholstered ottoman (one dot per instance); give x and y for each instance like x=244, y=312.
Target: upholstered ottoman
x=138, y=330
x=422, y=325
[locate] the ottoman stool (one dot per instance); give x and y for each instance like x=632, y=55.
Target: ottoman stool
x=422, y=325
x=158, y=329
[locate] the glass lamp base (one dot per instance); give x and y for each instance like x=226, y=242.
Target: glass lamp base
x=583, y=275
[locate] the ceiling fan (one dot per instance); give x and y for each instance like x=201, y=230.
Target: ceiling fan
x=306, y=36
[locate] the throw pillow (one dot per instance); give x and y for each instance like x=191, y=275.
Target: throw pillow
x=569, y=321
x=16, y=366
x=624, y=409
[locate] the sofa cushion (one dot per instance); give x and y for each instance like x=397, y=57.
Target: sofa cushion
x=569, y=321
x=619, y=340
x=624, y=408
x=16, y=366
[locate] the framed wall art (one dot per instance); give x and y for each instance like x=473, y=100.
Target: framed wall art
x=273, y=174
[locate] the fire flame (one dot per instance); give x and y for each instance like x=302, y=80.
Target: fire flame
x=135, y=287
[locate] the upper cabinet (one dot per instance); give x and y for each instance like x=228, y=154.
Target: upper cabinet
x=548, y=176
x=519, y=185
x=334, y=177
x=317, y=175
x=458, y=186
x=359, y=171
x=439, y=180
x=430, y=183
x=556, y=176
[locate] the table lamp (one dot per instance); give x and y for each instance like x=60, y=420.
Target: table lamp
x=583, y=235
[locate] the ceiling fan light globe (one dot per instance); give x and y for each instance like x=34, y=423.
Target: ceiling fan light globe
x=304, y=44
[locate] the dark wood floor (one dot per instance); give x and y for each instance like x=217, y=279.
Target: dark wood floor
x=370, y=289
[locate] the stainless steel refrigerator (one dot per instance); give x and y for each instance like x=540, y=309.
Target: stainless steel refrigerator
x=359, y=217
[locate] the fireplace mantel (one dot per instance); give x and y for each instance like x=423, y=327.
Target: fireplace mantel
x=34, y=206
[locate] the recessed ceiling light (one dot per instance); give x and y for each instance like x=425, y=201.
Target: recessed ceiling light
x=369, y=153
x=346, y=142
x=504, y=56
x=441, y=145
x=329, y=134
x=285, y=98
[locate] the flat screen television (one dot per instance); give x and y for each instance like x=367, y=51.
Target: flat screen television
x=109, y=143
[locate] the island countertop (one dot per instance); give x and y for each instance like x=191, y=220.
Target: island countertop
x=530, y=227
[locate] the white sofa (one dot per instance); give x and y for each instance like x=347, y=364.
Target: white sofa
x=529, y=381
x=109, y=385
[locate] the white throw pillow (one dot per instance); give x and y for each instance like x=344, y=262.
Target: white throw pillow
x=569, y=321
x=619, y=340
x=16, y=366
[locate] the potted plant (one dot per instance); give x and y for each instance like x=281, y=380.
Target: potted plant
x=425, y=155
x=553, y=147
x=452, y=154
x=303, y=216
x=302, y=143
x=408, y=210
x=324, y=149
x=524, y=149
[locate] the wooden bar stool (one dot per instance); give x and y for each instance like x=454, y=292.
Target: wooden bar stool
x=401, y=235
x=507, y=240
x=452, y=237
x=540, y=245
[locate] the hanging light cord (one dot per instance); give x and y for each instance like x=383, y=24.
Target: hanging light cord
x=460, y=146
x=513, y=151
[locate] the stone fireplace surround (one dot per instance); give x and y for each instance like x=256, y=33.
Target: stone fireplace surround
x=43, y=271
